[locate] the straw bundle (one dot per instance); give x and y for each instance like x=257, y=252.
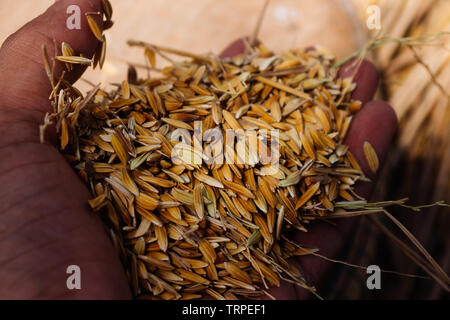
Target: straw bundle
x=416, y=82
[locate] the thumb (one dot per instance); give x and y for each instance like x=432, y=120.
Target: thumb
x=24, y=85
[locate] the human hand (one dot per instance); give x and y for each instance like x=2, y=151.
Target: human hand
x=46, y=224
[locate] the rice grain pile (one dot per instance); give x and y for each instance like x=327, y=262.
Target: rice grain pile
x=184, y=223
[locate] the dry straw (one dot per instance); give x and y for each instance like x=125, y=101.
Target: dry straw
x=413, y=59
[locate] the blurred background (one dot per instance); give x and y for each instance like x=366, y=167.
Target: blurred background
x=415, y=80
x=204, y=26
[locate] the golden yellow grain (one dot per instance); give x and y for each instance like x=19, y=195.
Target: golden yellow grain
x=191, y=276
x=146, y=202
x=107, y=9
x=283, y=87
x=307, y=195
x=207, y=250
x=96, y=31
x=74, y=60
x=371, y=156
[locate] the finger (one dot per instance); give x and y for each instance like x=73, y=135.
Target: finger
x=375, y=123
x=233, y=49
x=237, y=47
x=24, y=84
x=366, y=79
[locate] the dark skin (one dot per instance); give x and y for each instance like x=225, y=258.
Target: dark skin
x=45, y=223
